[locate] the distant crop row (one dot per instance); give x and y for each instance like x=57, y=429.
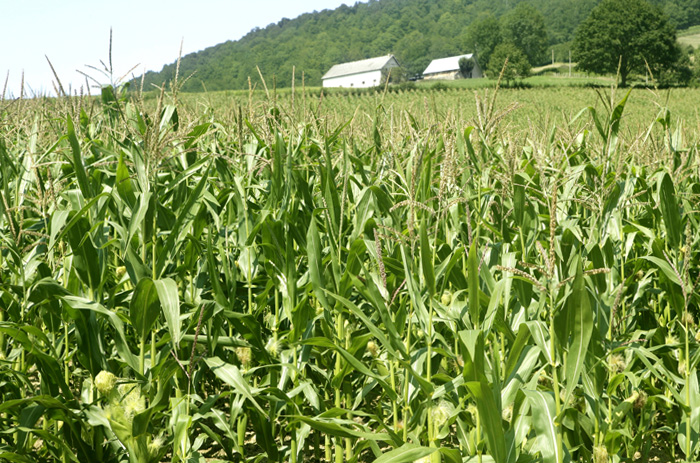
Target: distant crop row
x=283, y=280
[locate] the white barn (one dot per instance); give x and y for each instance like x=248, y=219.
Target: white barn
x=360, y=74
x=448, y=68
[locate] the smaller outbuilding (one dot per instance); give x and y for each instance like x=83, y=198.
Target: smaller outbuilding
x=360, y=74
x=449, y=68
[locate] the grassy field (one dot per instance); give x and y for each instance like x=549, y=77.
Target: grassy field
x=690, y=36
x=692, y=40
x=463, y=275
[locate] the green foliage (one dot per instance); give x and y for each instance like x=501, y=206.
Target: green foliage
x=301, y=50
x=681, y=71
x=625, y=36
x=356, y=277
x=482, y=36
x=517, y=67
x=682, y=13
x=466, y=65
x=524, y=27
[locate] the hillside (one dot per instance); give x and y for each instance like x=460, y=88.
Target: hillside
x=416, y=31
x=690, y=36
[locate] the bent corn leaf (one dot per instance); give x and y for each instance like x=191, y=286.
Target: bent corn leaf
x=406, y=453
x=231, y=375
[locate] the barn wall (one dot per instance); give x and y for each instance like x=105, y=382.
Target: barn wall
x=363, y=80
x=454, y=75
x=449, y=75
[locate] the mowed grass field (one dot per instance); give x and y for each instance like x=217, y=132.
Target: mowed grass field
x=462, y=275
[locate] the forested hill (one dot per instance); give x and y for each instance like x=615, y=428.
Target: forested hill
x=415, y=31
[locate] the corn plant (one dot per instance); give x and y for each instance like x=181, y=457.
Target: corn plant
x=384, y=277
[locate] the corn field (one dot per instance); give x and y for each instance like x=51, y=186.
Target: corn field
x=276, y=283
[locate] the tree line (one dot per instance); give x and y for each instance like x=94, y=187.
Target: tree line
x=415, y=31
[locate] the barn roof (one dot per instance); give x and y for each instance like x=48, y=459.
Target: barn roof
x=448, y=64
x=357, y=67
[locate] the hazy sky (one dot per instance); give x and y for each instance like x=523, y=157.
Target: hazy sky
x=145, y=33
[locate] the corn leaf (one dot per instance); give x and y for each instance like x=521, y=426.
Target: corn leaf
x=580, y=317
x=144, y=308
x=670, y=211
x=406, y=453
x=231, y=375
x=170, y=304
x=77, y=160
x=543, y=415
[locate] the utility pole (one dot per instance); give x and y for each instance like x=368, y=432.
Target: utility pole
x=569, y=63
x=552, y=56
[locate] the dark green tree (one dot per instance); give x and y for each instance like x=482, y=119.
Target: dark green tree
x=481, y=37
x=681, y=71
x=524, y=27
x=465, y=66
x=625, y=35
x=517, y=66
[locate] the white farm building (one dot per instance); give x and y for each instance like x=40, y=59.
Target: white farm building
x=448, y=68
x=360, y=74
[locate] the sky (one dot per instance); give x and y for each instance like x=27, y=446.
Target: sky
x=146, y=34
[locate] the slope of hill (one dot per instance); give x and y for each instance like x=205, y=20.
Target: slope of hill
x=690, y=36
x=416, y=31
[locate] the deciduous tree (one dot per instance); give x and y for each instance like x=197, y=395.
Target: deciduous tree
x=518, y=65
x=524, y=27
x=465, y=66
x=482, y=36
x=625, y=35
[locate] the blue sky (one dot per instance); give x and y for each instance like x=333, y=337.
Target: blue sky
x=74, y=34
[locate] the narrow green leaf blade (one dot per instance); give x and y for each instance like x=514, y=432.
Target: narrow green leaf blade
x=491, y=419
x=519, y=182
x=354, y=362
x=670, y=211
x=120, y=341
x=86, y=259
x=543, y=414
x=313, y=243
x=334, y=428
x=615, y=118
x=426, y=259
x=185, y=216
x=170, y=304
x=473, y=282
x=666, y=268
x=406, y=453
x=77, y=160
x=125, y=186
x=144, y=307
x=581, y=320
x=231, y=375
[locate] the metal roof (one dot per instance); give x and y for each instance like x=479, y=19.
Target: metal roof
x=448, y=64
x=358, y=67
